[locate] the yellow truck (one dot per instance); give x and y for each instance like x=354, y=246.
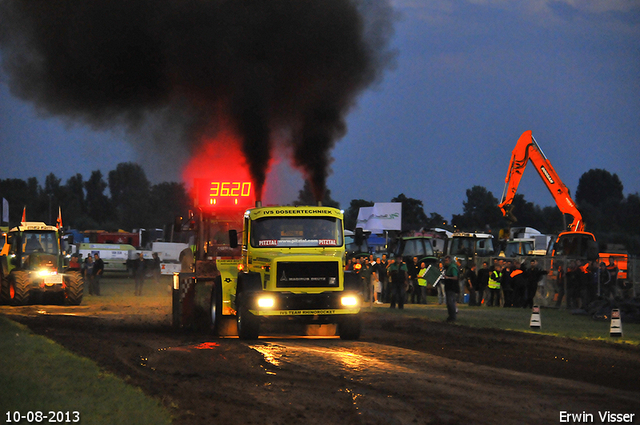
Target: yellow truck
x=286, y=264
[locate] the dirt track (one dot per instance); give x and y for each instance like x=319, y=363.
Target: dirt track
x=403, y=370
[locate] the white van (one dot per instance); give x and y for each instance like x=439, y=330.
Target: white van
x=114, y=256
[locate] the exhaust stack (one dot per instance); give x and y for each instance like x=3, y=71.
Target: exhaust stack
x=258, y=204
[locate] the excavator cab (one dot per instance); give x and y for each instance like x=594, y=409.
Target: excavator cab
x=575, y=245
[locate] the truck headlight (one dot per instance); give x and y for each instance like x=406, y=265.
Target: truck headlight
x=43, y=273
x=349, y=301
x=266, y=302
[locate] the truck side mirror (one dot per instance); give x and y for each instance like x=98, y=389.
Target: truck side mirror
x=359, y=236
x=233, y=238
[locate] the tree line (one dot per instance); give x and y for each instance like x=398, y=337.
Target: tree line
x=132, y=202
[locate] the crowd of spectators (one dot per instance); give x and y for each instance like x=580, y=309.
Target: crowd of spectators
x=501, y=283
x=580, y=283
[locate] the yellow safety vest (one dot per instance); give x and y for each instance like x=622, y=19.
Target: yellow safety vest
x=494, y=280
x=421, y=277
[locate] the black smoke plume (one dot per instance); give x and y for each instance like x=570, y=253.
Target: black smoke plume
x=291, y=67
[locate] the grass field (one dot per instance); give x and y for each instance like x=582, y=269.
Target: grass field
x=554, y=322
x=39, y=375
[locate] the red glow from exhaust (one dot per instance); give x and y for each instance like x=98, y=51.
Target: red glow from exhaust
x=219, y=158
x=220, y=174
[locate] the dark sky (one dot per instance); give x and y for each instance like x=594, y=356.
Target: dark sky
x=469, y=79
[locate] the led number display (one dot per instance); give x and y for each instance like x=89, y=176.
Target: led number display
x=221, y=193
x=233, y=189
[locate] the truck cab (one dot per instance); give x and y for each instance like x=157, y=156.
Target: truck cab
x=292, y=266
x=286, y=264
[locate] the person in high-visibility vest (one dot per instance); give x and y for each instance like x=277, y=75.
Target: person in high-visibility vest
x=494, y=286
x=422, y=283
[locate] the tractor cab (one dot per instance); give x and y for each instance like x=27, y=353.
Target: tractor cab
x=32, y=263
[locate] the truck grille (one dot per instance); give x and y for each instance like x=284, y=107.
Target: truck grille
x=322, y=301
x=307, y=274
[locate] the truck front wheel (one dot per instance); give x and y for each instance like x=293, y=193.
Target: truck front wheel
x=19, y=288
x=349, y=327
x=248, y=324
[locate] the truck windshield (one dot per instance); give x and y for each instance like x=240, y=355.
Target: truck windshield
x=296, y=232
x=40, y=242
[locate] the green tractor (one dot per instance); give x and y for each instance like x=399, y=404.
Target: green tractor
x=32, y=265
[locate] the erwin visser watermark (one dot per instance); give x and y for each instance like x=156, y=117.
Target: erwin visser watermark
x=604, y=417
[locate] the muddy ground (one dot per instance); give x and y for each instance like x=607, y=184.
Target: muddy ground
x=403, y=370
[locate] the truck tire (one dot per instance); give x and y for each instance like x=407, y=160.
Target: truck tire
x=75, y=288
x=349, y=327
x=248, y=324
x=215, y=308
x=19, y=287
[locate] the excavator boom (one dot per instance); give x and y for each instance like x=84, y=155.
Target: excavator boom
x=527, y=149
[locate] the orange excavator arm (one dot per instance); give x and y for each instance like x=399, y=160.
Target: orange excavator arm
x=527, y=149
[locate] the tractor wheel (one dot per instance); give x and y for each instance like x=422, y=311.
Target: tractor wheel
x=5, y=297
x=349, y=327
x=216, y=307
x=75, y=288
x=19, y=287
x=248, y=324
